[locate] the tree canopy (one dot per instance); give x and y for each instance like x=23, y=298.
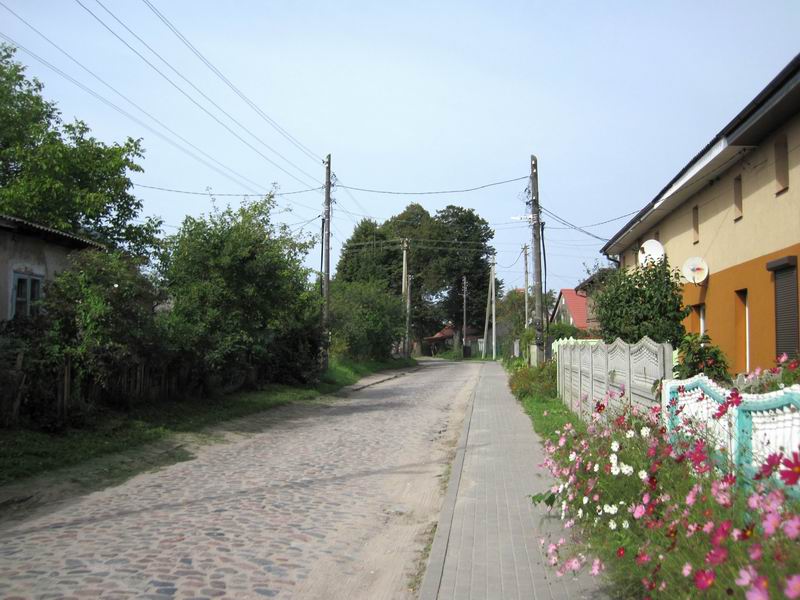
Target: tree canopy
x=57, y=174
x=443, y=247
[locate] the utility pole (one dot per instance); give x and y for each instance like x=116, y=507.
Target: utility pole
x=537, y=259
x=488, y=304
x=326, y=279
x=405, y=294
x=525, y=251
x=408, y=318
x=464, y=318
x=494, y=318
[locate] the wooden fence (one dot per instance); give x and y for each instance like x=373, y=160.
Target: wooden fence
x=586, y=372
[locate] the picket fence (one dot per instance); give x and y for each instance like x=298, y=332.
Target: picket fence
x=587, y=372
x=748, y=433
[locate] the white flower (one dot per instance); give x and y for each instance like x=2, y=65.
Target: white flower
x=572, y=457
x=560, y=488
x=610, y=509
x=615, y=446
x=585, y=500
x=596, y=520
x=630, y=433
x=612, y=524
x=625, y=524
x=612, y=459
x=643, y=475
x=599, y=510
x=580, y=513
x=645, y=432
x=626, y=469
x=597, y=467
x=615, y=470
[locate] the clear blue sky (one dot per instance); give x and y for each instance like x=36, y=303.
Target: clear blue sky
x=613, y=97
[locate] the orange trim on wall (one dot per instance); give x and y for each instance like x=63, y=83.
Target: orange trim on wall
x=723, y=310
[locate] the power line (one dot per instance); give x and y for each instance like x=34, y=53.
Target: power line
x=572, y=225
x=220, y=194
x=117, y=108
x=184, y=93
x=515, y=262
x=238, y=92
x=131, y=102
x=428, y=193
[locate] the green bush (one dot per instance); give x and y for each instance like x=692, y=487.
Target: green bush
x=643, y=301
x=366, y=319
x=696, y=354
x=537, y=382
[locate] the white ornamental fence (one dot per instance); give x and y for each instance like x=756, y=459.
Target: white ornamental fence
x=587, y=372
x=748, y=433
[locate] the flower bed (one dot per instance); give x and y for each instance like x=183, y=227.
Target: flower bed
x=662, y=514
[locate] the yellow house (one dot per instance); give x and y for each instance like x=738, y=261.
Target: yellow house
x=736, y=205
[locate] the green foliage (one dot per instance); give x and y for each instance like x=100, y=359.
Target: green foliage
x=559, y=331
x=696, y=354
x=241, y=307
x=444, y=247
x=365, y=319
x=642, y=302
x=535, y=382
x=57, y=175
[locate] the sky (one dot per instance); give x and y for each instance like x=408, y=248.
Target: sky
x=612, y=97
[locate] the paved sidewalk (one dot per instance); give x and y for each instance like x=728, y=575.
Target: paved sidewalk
x=487, y=544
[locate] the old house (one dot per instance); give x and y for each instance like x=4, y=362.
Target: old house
x=735, y=209
x=30, y=255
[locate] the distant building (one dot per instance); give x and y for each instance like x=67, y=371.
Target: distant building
x=570, y=308
x=588, y=288
x=31, y=255
x=736, y=205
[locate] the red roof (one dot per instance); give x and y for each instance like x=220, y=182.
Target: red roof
x=576, y=304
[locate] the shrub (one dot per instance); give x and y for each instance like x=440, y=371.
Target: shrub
x=559, y=331
x=537, y=382
x=696, y=354
x=645, y=301
x=366, y=319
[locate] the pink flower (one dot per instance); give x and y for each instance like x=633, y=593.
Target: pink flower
x=791, y=474
x=687, y=570
x=717, y=556
x=638, y=512
x=573, y=564
x=771, y=523
x=691, y=497
x=792, y=589
x=758, y=591
x=703, y=579
x=791, y=527
x=708, y=527
x=646, y=498
x=770, y=465
x=754, y=501
x=783, y=358
x=721, y=533
x=755, y=551
x=597, y=566
x=746, y=576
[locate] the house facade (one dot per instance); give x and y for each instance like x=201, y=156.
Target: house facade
x=736, y=206
x=31, y=255
x=570, y=308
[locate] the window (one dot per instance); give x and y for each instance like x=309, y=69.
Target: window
x=26, y=291
x=741, y=318
x=787, y=332
x=781, y=164
x=737, y=198
x=695, y=225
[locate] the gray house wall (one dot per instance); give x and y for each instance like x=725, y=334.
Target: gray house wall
x=21, y=252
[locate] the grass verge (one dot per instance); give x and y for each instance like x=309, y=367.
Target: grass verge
x=25, y=453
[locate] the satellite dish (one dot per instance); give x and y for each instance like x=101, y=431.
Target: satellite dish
x=695, y=270
x=650, y=251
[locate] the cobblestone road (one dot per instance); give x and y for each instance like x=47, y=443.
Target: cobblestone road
x=321, y=501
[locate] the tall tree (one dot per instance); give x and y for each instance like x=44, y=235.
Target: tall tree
x=58, y=175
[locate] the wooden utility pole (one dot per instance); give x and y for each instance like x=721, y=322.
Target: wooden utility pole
x=494, y=318
x=488, y=305
x=408, y=318
x=525, y=251
x=404, y=293
x=326, y=278
x=536, y=233
x=464, y=318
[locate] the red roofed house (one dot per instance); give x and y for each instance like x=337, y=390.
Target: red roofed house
x=570, y=308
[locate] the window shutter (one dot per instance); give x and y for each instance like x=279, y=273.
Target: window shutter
x=786, y=317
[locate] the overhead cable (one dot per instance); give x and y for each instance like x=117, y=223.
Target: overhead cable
x=428, y=193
